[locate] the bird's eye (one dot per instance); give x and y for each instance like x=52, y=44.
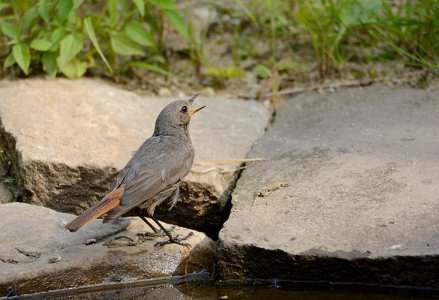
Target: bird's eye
x=184, y=109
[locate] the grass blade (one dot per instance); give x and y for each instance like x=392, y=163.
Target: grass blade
x=88, y=25
x=247, y=12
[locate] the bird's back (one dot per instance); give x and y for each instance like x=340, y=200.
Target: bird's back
x=157, y=166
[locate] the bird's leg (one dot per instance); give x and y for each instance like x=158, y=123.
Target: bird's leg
x=175, y=240
x=156, y=231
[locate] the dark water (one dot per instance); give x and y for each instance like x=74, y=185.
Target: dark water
x=201, y=287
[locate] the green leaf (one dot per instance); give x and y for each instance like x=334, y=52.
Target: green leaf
x=3, y=5
x=225, y=72
x=355, y=12
x=11, y=31
x=164, y=4
x=77, y=3
x=140, y=6
x=22, y=56
x=88, y=25
x=123, y=45
x=40, y=44
x=171, y=12
x=263, y=71
x=49, y=63
x=56, y=37
x=21, y=5
x=64, y=8
x=74, y=69
x=29, y=17
x=9, y=61
x=150, y=67
x=69, y=48
x=157, y=58
x=138, y=33
x=176, y=19
x=112, y=9
x=372, y=6
x=43, y=10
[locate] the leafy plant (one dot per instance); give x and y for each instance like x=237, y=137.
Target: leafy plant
x=224, y=72
x=196, y=40
x=70, y=36
x=411, y=30
x=327, y=24
x=220, y=74
x=269, y=18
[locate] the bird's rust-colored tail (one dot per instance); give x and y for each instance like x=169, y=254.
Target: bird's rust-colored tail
x=110, y=201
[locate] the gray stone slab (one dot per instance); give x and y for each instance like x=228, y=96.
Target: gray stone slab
x=349, y=191
x=37, y=255
x=67, y=139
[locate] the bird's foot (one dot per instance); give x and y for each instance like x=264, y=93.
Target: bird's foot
x=176, y=240
x=160, y=231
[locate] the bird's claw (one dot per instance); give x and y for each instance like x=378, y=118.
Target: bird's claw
x=160, y=231
x=176, y=240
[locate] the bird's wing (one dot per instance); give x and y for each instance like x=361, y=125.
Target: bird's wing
x=158, y=164
x=143, y=155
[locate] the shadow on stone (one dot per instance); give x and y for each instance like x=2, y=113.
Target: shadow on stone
x=255, y=262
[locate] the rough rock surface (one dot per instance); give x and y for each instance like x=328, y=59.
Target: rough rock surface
x=5, y=195
x=37, y=255
x=68, y=139
x=349, y=192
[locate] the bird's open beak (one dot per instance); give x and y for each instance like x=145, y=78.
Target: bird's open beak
x=194, y=110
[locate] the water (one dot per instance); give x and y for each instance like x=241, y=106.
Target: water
x=200, y=287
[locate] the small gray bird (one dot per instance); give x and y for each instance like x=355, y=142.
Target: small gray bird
x=153, y=174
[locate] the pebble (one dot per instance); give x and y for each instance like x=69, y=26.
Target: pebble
x=164, y=92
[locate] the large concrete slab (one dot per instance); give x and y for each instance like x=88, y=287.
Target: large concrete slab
x=37, y=255
x=67, y=140
x=349, y=191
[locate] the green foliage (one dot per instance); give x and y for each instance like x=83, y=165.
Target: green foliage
x=196, y=41
x=21, y=55
x=263, y=71
x=411, y=29
x=327, y=25
x=269, y=19
x=224, y=72
x=72, y=36
x=335, y=28
x=220, y=74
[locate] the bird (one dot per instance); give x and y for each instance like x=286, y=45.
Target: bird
x=152, y=175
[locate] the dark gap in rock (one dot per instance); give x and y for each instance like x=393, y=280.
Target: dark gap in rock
x=9, y=162
x=198, y=208
x=228, y=207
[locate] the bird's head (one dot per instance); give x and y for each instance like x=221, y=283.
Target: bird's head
x=175, y=116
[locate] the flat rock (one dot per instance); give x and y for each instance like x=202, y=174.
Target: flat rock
x=68, y=139
x=349, y=192
x=37, y=255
